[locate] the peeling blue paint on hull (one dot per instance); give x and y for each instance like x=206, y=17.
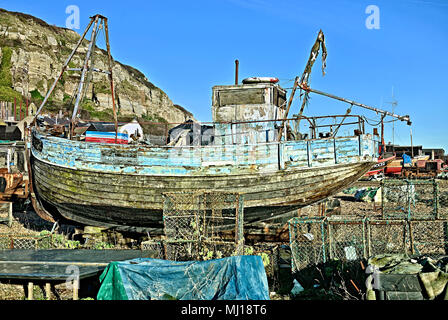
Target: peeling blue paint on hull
x=122, y=186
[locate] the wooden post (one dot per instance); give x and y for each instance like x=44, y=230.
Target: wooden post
x=30, y=291
x=285, y=116
x=10, y=215
x=75, y=289
x=48, y=291
x=369, y=244
x=84, y=75
x=166, y=133
x=411, y=237
x=330, y=242
x=63, y=70
x=15, y=109
x=8, y=160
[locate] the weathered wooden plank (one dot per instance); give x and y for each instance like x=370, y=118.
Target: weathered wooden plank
x=322, y=153
x=264, y=195
x=145, y=186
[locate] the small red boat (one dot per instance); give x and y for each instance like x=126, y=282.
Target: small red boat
x=394, y=167
x=378, y=168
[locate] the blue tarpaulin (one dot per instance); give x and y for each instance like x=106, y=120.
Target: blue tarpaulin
x=406, y=158
x=232, y=278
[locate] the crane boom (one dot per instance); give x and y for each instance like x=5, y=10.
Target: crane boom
x=384, y=112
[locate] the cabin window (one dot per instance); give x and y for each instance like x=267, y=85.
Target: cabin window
x=240, y=97
x=279, y=98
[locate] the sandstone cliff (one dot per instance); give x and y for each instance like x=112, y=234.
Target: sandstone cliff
x=33, y=53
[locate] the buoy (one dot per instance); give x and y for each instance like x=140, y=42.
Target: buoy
x=260, y=80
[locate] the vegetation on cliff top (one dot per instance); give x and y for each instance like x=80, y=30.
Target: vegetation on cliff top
x=7, y=93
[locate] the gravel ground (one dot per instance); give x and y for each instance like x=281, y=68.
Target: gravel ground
x=27, y=222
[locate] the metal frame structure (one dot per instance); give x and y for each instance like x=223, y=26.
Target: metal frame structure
x=99, y=22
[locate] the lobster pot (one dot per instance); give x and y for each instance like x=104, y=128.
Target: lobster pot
x=308, y=242
x=153, y=249
x=270, y=253
x=203, y=225
x=442, y=200
x=347, y=238
x=387, y=236
x=423, y=203
x=407, y=199
x=26, y=241
x=429, y=237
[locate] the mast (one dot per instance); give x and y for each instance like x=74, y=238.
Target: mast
x=320, y=42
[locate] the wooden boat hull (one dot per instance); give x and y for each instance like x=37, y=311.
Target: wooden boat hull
x=134, y=201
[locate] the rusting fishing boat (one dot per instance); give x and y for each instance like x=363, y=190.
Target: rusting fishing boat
x=121, y=186
x=251, y=148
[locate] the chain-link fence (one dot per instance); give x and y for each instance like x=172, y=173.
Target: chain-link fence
x=414, y=220
x=318, y=240
x=270, y=254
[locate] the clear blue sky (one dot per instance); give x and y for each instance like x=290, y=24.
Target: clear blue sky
x=186, y=47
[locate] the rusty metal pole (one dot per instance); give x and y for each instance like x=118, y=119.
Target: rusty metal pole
x=402, y=118
x=106, y=29
x=285, y=116
x=237, y=63
x=83, y=75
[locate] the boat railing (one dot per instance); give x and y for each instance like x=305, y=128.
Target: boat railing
x=196, y=133
x=252, y=132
